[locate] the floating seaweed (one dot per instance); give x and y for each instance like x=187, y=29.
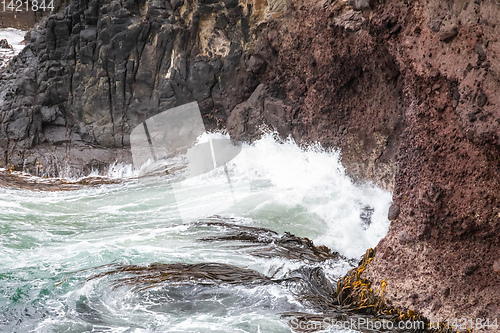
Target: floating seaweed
x=352, y=298
x=287, y=246
x=179, y=273
x=355, y=294
x=243, y=233
x=19, y=180
x=310, y=286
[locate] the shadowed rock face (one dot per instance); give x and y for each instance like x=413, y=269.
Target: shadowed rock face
x=94, y=72
x=409, y=92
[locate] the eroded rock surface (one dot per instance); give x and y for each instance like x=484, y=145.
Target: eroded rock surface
x=94, y=71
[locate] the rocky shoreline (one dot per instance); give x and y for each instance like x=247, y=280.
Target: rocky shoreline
x=409, y=91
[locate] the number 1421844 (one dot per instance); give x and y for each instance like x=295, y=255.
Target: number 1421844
x=26, y=5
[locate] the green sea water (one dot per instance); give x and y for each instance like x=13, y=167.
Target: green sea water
x=53, y=244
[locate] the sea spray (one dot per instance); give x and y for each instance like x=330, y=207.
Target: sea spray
x=52, y=243
x=311, y=184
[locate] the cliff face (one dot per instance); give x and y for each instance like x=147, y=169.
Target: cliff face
x=443, y=246
x=410, y=92
x=92, y=73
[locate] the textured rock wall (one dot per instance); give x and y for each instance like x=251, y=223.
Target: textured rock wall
x=409, y=91
x=442, y=247
x=94, y=71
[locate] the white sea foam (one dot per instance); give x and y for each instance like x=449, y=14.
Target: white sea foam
x=286, y=188
x=310, y=185
x=15, y=38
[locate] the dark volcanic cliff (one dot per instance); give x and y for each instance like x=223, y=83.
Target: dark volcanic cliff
x=410, y=91
x=93, y=72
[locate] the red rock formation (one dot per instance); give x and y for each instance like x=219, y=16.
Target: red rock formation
x=411, y=91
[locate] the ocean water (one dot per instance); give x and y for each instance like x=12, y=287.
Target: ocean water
x=68, y=252
x=15, y=38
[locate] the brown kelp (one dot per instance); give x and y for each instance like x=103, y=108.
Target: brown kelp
x=19, y=180
x=355, y=292
x=157, y=274
x=287, y=246
x=352, y=299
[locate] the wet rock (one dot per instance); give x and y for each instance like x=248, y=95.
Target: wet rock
x=97, y=66
x=244, y=121
x=440, y=105
x=17, y=162
x=435, y=25
x=449, y=34
x=446, y=292
x=57, y=135
x=423, y=232
x=4, y=44
x=496, y=267
x=350, y=20
x=470, y=269
x=20, y=125
x=481, y=99
x=256, y=64
x=277, y=113
x=366, y=216
x=394, y=211
x=472, y=117
x=248, y=120
x=359, y=4
x=480, y=52
x=395, y=30
x=49, y=114
x=201, y=80
x=405, y=238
